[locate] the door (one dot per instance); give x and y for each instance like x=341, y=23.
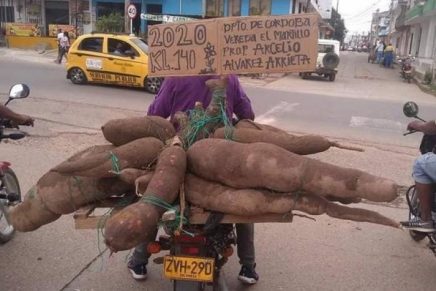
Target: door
x=125, y=63
x=88, y=56
x=56, y=12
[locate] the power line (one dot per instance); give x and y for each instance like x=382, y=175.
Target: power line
x=366, y=10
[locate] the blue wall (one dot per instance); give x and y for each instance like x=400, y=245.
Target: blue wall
x=245, y=6
x=189, y=7
x=280, y=7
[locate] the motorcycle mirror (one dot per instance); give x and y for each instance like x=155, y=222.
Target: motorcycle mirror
x=19, y=91
x=410, y=109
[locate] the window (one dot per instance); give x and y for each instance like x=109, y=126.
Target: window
x=260, y=7
x=326, y=48
x=120, y=48
x=234, y=8
x=141, y=44
x=93, y=44
x=214, y=8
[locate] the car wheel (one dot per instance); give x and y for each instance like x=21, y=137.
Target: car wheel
x=332, y=77
x=153, y=84
x=77, y=76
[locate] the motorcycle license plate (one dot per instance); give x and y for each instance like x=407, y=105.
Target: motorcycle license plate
x=189, y=268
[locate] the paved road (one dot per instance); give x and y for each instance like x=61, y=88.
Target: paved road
x=324, y=255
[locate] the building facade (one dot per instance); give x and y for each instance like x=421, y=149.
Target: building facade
x=421, y=19
x=84, y=13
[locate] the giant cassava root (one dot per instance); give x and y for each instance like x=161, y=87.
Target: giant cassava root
x=56, y=194
x=122, y=131
x=137, y=222
x=139, y=154
x=262, y=165
x=253, y=202
x=302, y=145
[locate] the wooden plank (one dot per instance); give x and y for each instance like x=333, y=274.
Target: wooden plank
x=197, y=216
x=201, y=218
x=84, y=211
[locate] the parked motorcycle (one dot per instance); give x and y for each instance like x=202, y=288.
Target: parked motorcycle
x=197, y=254
x=406, y=68
x=428, y=144
x=10, y=193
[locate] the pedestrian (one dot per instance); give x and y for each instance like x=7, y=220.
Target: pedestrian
x=181, y=94
x=58, y=39
x=388, y=56
x=65, y=46
x=379, y=52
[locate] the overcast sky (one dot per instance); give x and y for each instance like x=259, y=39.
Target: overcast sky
x=357, y=14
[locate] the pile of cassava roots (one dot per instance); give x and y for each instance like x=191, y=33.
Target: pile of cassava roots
x=247, y=169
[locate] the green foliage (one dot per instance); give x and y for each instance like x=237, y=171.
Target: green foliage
x=338, y=24
x=428, y=77
x=113, y=22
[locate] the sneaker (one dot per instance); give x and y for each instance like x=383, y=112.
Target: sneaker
x=418, y=225
x=248, y=275
x=139, y=272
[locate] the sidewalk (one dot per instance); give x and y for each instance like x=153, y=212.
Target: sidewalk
x=42, y=57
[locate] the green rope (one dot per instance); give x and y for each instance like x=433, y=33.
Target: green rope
x=199, y=119
x=115, y=163
x=173, y=225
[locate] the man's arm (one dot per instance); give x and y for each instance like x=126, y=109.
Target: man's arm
x=242, y=105
x=163, y=102
x=20, y=119
x=428, y=127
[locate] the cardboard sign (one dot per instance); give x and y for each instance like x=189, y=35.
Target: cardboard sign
x=233, y=45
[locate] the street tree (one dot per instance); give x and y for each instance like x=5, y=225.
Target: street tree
x=338, y=24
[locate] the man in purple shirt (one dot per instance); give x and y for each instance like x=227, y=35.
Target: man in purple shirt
x=180, y=94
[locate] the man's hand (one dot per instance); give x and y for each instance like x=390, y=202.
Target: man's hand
x=22, y=119
x=415, y=125
x=428, y=127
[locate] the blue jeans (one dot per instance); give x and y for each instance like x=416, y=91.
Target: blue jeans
x=389, y=57
x=379, y=57
x=424, y=169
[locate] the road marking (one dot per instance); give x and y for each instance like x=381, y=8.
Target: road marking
x=269, y=117
x=385, y=124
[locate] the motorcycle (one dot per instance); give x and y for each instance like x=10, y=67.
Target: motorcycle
x=428, y=144
x=10, y=193
x=406, y=68
x=196, y=254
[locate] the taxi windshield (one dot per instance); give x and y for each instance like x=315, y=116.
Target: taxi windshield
x=141, y=44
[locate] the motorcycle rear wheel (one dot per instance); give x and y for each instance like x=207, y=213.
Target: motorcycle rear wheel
x=9, y=181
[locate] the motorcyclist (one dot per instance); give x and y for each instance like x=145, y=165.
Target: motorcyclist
x=18, y=119
x=424, y=174
x=181, y=94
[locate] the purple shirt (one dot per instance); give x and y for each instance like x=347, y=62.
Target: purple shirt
x=181, y=93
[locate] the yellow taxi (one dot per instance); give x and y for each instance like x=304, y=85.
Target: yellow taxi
x=111, y=59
